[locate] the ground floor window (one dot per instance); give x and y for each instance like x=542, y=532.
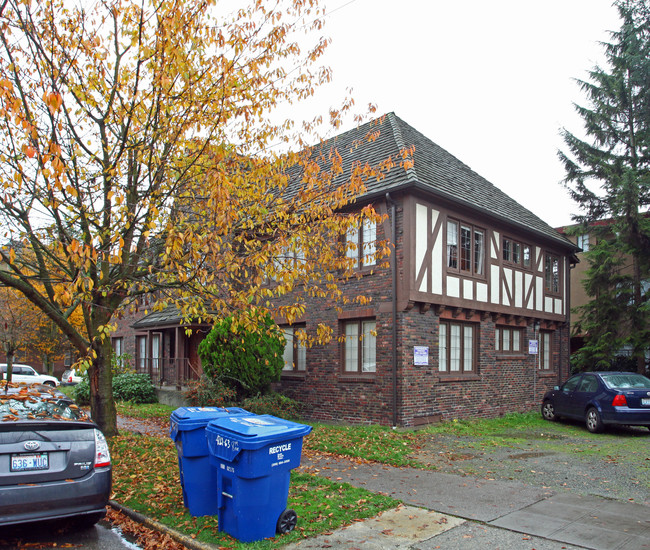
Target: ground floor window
x=295, y=352
x=546, y=350
x=360, y=346
x=508, y=340
x=457, y=347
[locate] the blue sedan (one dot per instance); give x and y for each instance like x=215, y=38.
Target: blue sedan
x=601, y=398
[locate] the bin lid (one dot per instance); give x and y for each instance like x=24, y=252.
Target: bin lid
x=253, y=431
x=191, y=418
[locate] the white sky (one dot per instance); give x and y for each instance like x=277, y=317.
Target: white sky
x=490, y=81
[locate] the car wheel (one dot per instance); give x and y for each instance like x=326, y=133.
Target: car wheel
x=287, y=522
x=49, y=383
x=593, y=421
x=548, y=411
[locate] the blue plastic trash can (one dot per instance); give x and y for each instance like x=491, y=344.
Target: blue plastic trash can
x=253, y=457
x=198, y=479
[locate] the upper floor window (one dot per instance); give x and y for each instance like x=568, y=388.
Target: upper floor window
x=360, y=347
x=465, y=248
x=457, y=347
x=515, y=252
x=508, y=340
x=552, y=273
x=583, y=242
x=361, y=244
x=295, y=351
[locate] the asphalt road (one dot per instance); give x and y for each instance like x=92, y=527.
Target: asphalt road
x=51, y=535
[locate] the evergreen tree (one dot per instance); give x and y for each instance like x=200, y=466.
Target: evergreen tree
x=608, y=175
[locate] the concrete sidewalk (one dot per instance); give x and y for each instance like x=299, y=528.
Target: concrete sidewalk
x=454, y=512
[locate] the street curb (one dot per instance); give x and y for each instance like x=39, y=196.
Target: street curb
x=186, y=541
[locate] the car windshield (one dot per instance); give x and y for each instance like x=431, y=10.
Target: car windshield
x=34, y=403
x=626, y=380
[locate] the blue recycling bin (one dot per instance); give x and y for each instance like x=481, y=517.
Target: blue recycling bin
x=253, y=456
x=198, y=479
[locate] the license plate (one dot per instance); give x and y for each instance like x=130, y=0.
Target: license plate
x=645, y=401
x=28, y=463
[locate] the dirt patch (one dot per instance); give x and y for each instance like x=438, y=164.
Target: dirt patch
x=546, y=460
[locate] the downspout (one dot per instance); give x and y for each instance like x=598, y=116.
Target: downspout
x=567, y=301
x=393, y=268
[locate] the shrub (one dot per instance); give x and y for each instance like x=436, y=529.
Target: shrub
x=276, y=404
x=245, y=360
x=133, y=387
x=208, y=392
x=81, y=392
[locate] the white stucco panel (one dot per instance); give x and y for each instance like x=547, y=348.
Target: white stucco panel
x=437, y=257
x=519, y=289
x=507, y=286
x=558, y=306
x=482, y=292
x=494, y=290
x=421, y=233
x=548, y=305
x=468, y=289
x=494, y=251
x=539, y=291
x=453, y=287
x=529, y=280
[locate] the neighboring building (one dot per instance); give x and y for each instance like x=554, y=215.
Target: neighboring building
x=584, y=241
x=446, y=335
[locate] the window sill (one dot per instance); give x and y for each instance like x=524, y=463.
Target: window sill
x=363, y=378
x=293, y=375
x=470, y=377
x=546, y=373
x=506, y=356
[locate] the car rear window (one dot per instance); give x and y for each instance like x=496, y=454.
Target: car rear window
x=622, y=381
x=29, y=403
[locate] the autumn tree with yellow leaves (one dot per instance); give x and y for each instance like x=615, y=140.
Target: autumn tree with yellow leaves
x=143, y=152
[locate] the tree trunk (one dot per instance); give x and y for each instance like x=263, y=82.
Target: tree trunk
x=102, y=404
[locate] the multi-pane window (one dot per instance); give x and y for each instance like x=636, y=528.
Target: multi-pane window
x=583, y=242
x=141, y=352
x=508, y=340
x=295, y=351
x=118, y=346
x=515, y=252
x=545, y=351
x=456, y=347
x=465, y=248
x=361, y=244
x=552, y=273
x=360, y=347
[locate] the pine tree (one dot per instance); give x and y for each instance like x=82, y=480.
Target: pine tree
x=609, y=177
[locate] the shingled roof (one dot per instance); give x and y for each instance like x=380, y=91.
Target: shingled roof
x=434, y=171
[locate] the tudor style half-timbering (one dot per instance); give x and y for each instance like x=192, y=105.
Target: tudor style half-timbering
x=475, y=277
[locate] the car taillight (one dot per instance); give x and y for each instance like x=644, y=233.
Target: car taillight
x=70, y=379
x=102, y=454
x=619, y=401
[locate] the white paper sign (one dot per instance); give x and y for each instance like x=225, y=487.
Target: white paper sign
x=420, y=355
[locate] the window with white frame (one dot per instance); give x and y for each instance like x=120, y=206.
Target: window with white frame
x=465, y=248
x=295, y=351
x=457, y=347
x=360, y=346
x=362, y=243
x=583, y=242
x=508, y=340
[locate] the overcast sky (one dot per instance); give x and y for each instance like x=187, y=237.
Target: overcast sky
x=490, y=81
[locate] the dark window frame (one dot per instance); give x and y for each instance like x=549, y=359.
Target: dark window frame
x=465, y=258
x=445, y=369
x=360, y=337
x=499, y=339
x=298, y=359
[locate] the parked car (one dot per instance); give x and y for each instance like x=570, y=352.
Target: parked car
x=601, y=398
x=25, y=373
x=70, y=377
x=54, y=461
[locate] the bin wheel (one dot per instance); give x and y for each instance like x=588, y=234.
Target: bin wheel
x=287, y=521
